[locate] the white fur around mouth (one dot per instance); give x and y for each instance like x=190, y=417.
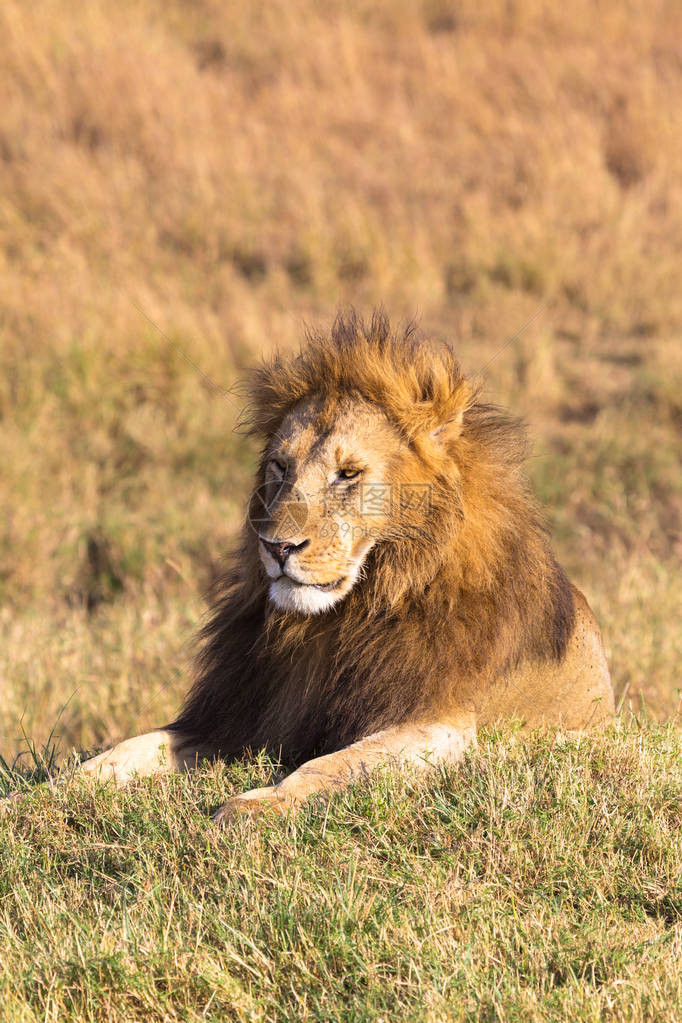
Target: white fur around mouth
x=325, y=587
x=305, y=598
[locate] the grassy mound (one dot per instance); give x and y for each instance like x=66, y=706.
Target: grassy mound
x=540, y=880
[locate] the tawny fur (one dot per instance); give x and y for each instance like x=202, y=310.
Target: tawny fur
x=458, y=613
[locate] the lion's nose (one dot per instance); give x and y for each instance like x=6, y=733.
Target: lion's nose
x=281, y=550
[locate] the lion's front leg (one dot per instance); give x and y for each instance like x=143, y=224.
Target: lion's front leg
x=418, y=745
x=152, y=753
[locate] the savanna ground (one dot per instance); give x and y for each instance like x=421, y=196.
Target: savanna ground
x=230, y=172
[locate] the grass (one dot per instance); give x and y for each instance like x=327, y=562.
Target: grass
x=194, y=181
x=538, y=881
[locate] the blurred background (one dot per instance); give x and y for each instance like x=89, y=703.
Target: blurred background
x=227, y=173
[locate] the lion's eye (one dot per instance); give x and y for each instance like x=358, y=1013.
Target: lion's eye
x=279, y=466
x=348, y=474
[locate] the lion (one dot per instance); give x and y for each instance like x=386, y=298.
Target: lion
x=394, y=588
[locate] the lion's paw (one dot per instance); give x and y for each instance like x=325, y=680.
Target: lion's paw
x=252, y=802
x=111, y=766
x=143, y=755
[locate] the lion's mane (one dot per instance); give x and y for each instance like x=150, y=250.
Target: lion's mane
x=449, y=602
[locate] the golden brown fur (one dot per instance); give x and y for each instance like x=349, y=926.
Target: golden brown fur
x=450, y=614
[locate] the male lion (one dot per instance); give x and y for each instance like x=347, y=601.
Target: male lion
x=394, y=587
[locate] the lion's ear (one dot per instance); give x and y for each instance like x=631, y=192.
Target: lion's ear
x=448, y=431
x=452, y=415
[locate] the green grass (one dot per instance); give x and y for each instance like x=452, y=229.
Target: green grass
x=540, y=880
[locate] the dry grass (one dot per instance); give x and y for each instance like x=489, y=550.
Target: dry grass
x=235, y=169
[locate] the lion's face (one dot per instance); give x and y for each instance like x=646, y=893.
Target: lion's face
x=325, y=501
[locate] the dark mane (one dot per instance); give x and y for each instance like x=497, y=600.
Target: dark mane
x=449, y=603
